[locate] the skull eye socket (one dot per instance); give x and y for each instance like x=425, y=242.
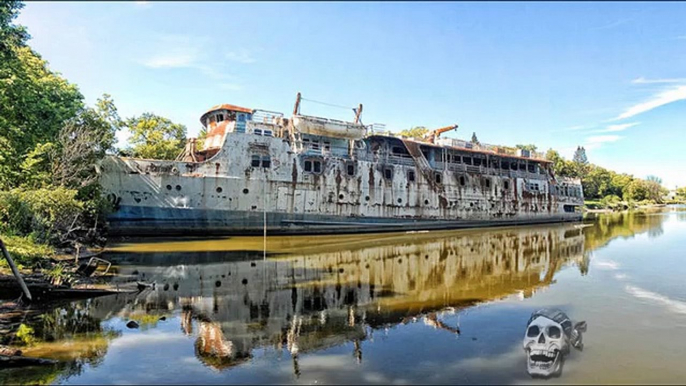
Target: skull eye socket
x=554, y=332
x=533, y=332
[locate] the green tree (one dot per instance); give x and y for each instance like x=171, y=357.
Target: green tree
x=34, y=101
x=530, y=147
x=83, y=142
x=417, y=132
x=155, y=137
x=561, y=166
x=636, y=190
x=655, y=179
x=475, y=140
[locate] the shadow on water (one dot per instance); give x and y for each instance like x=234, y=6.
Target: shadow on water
x=312, y=293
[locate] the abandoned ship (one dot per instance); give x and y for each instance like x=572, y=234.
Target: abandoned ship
x=258, y=171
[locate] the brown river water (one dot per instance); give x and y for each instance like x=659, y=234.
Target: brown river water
x=402, y=308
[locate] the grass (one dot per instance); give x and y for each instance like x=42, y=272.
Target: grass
x=25, y=251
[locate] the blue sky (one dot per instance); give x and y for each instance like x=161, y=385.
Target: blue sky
x=608, y=76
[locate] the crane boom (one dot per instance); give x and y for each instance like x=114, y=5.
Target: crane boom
x=431, y=137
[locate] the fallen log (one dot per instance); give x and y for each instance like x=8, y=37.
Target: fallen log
x=19, y=361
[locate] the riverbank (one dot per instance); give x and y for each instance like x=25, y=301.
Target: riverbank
x=600, y=206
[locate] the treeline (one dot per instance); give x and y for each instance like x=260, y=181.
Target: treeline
x=609, y=188
x=602, y=187
x=50, y=144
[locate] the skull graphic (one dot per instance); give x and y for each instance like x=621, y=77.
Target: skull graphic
x=549, y=334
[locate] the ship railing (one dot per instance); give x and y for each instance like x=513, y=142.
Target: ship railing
x=376, y=128
x=265, y=116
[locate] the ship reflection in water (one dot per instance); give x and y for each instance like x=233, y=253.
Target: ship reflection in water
x=326, y=295
x=233, y=305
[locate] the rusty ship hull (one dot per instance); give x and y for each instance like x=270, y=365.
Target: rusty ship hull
x=256, y=175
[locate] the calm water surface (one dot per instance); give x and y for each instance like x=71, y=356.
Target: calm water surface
x=436, y=307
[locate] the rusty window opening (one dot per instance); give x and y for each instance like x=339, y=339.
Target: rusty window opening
x=317, y=166
x=266, y=162
x=327, y=146
x=467, y=160
x=220, y=117
x=438, y=178
x=506, y=185
x=350, y=167
x=462, y=181
x=411, y=176
x=308, y=166
x=400, y=151
x=255, y=161
x=388, y=173
x=488, y=182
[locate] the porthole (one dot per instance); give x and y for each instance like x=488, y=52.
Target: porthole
x=178, y=187
x=426, y=202
x=400, y=201
x=169, y=187
x=219, y=189
x=246, y=191
x=366, y=198
x=341, y=196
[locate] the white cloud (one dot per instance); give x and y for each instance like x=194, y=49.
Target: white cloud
x=616, y=128
x=170, y=61
x=668, y=96
x=181, y=51
x=613, y=24
x=602, y=138
x=241, y=56
x=642, y=80
x=142, y=4
x=577, y=127
x=596, y=141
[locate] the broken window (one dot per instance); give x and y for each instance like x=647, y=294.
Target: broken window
x=467, y=160
x=255, y=161
x=506, y=185
x=439, y=178
x=327, y=146
x=462, y=180
x=388, y=173
x=308, y=166
x=350, y=168
x=266, y=161
x=488, y=182
x=220, y=117
x=477, y=161
x=317, y=166
x=513, y=165
x=410, y=176
x=531, y=169
x=505, y=164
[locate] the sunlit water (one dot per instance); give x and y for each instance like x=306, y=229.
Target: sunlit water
x=436, y=307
